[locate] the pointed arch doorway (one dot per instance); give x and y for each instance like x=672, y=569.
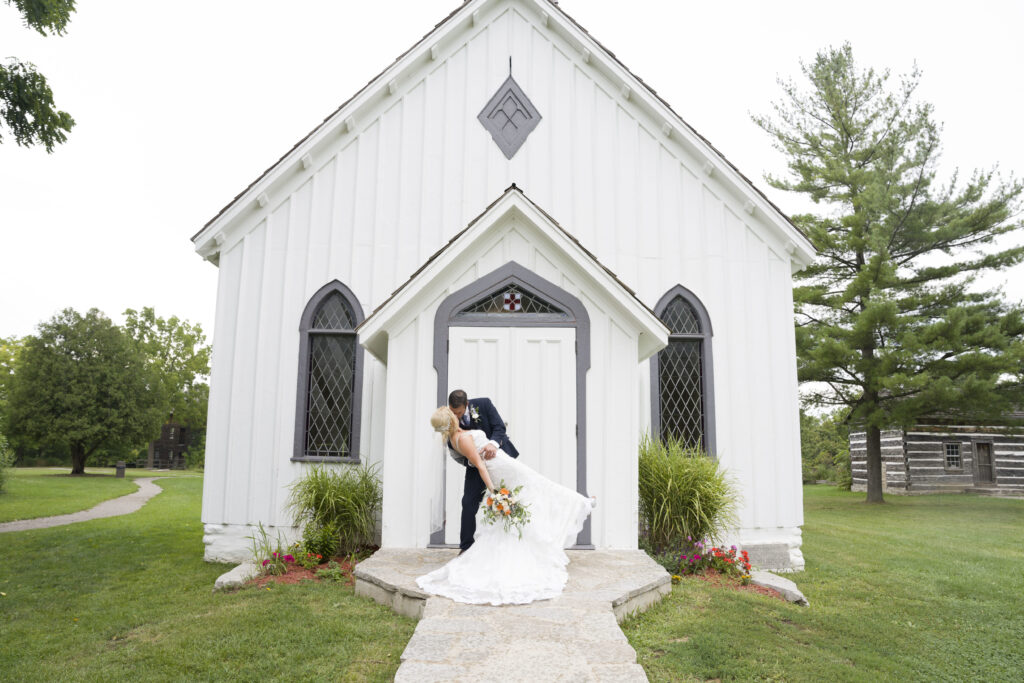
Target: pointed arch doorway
x=524, y=342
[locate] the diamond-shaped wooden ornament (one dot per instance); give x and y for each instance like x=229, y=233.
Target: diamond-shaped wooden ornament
x=509, y=117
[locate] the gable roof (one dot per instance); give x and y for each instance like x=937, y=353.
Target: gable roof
x=373, y=330
x=555, y=19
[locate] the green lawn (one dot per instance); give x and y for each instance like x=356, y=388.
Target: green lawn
x=130, y=598
x=44, y=491
x=925, y=588
x=41, y=492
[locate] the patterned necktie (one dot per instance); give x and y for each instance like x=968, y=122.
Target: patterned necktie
x=465, y=419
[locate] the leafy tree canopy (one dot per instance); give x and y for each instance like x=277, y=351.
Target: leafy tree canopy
x=890, y=321
x=179, y=352
x=82, y=382
x=26, y=100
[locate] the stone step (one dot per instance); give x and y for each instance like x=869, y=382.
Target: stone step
x=574, y=637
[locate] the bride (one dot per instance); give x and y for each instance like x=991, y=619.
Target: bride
x=500, y=567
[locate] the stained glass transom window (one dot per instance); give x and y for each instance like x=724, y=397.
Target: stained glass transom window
x=512, y=300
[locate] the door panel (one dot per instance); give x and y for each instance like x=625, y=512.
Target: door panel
x=530, y=374
x=983, y=455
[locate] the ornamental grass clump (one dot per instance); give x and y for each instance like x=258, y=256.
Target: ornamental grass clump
x=337, y=501
x=683, y=493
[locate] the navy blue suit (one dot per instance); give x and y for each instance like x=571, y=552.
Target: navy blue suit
x=480, y=414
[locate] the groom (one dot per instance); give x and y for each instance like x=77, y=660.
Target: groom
x=477, y=413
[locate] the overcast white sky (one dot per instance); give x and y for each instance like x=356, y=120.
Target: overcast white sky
x=181, y=105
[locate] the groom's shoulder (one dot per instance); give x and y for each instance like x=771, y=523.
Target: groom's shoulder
x=481, y=400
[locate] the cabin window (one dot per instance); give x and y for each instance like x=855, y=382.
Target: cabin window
x=953, y=461
x=330, y=367
x=681, y=400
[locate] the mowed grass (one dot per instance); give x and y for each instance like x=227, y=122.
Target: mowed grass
x=40, y=492
x=925, y=588
x=129, y=598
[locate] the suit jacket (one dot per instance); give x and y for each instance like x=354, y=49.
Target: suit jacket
x=484, y=416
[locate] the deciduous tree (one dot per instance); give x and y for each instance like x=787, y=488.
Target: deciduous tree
x=82, y=382
x=891, y=321
x=26, y=101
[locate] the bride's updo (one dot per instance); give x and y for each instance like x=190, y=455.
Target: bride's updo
x=444, y=421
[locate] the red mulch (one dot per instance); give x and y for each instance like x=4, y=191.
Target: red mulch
x=297, y=573
x=719, y=580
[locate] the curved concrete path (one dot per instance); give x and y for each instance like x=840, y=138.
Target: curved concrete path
x=108, y=508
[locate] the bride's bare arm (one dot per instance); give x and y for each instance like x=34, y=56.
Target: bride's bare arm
x=464, y=443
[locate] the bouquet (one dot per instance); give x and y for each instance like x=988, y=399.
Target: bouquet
x=504, y=504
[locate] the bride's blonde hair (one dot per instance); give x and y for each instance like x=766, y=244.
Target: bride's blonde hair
x=444, y=421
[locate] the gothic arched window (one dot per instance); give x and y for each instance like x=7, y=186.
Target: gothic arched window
x=330, y=377
x=682, y=405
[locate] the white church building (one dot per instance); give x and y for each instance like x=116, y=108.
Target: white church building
x=554, y=237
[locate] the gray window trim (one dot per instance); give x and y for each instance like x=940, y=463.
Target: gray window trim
x=707, y=377
x=448, y=316
x=306, y=332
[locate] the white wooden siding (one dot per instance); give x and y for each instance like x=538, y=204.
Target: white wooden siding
x=379, y=202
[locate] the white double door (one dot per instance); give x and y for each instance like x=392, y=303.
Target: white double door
x=530, y=375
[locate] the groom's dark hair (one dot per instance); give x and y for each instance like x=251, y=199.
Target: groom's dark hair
x=457, y=399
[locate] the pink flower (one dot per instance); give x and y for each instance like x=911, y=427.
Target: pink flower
x=266, y=562
x=696, y=557
x=289, y=558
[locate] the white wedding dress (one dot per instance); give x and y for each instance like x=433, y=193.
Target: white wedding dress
x=502, y=568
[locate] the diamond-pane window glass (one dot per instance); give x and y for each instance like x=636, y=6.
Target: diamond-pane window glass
x=682, y=402
x=334, y=314
x=330, y=377
x=953, y=461
x=680, y=379
x=512, y=299
x=680, y=317
x=332, y=361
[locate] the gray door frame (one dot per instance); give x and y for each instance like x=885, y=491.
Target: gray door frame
x=513, y=273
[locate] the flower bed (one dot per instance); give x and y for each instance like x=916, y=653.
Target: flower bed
x=294, y=572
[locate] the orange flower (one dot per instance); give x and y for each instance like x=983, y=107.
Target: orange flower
x=490, y=501
x=504, y=491
x=508, y=512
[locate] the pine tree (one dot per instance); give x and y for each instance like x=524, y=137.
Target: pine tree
x=890, y=319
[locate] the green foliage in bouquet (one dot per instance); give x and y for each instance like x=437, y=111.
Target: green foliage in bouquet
x=503, y=503
x=683, y=493
x=345, y=500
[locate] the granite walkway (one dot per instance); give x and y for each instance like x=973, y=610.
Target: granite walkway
x=575, y=637
x=108, y=508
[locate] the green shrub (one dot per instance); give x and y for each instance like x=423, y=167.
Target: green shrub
x=6, y=460
x=347, y=500
x=321, y=540
x=683, y=493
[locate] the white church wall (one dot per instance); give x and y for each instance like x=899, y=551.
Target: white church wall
x=378, y=201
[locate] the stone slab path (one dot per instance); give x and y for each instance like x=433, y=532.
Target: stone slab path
x=108, y=508
x=575, y=637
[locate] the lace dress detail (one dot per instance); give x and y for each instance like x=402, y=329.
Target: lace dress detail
x=501, y=568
